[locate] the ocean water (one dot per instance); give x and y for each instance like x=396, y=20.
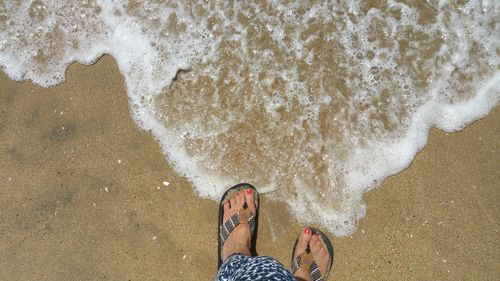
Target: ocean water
x=314, y=102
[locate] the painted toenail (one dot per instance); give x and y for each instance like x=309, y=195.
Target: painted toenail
x=307, y=230
x=249, y=191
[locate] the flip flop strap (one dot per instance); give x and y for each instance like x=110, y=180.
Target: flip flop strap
x=313, y=268
x=232, y=223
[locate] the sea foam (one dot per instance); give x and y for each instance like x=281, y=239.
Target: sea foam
x=315, y=102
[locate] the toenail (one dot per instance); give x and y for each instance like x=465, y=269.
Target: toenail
x=307, y=230
x=249, y=191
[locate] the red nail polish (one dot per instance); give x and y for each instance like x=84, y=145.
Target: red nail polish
x=249, y=191
x=307, y=230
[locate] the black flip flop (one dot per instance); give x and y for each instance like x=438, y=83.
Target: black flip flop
x=314, y=270
x=253, y=223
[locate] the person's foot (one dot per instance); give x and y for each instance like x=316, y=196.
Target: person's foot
x=240, y=238
x=318, y=250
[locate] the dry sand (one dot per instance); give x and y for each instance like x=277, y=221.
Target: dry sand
x=81, y=198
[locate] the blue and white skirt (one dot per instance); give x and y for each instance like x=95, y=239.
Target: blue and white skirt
x=238, y=267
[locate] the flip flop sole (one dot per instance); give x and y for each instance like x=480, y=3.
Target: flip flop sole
x=226, y=197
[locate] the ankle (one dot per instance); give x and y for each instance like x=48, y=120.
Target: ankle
x=237, y=247
x=242, y=246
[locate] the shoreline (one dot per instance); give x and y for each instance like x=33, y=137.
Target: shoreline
x=80, y=198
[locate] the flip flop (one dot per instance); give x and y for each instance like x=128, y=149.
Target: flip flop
x=306, y=260
x=225, y=229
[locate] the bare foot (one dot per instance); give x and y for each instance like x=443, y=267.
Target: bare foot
x=319, y=252
x=240, y=238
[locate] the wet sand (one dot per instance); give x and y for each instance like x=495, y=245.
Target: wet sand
x=82, y=198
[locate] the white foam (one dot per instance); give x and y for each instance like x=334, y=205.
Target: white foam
x=367, y=125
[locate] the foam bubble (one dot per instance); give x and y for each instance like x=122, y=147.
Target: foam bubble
x=313, y=101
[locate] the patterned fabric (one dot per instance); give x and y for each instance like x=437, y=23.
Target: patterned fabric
x=239, y=267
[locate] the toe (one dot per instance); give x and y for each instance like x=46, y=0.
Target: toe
x=315, y=244
x=249, y=199
x=240, y=199
x=226, y=211
x=304, y=238
x=323, y=254
x=233, y=204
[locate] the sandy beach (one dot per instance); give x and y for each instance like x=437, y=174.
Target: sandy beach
x=86, y=195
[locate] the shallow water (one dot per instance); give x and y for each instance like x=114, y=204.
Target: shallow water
x=317, y=101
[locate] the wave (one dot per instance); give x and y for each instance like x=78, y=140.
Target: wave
x=315, y=102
